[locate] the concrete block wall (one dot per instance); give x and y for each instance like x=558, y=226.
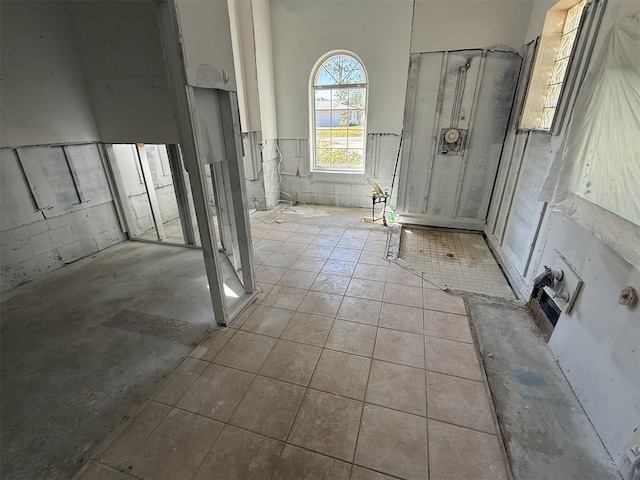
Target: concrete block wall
x=33, y=243
x=339, y=189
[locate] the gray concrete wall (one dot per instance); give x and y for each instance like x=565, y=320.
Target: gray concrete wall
x=36, y=240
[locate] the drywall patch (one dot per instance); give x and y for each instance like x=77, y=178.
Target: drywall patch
x=208, y=76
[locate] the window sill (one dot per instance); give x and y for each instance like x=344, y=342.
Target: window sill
x=333, y=176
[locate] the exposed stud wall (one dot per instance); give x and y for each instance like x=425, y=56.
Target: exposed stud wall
x=34, y=242
x=596, y=345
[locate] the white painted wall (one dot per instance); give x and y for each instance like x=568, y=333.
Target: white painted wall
x=123, y=66
x=206, y=37
x=597, y=344
x=44, y=98
x=379, y=33
x=440, y=25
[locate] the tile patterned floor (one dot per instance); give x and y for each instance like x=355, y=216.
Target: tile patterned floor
x=458, y=261
x=346, y=367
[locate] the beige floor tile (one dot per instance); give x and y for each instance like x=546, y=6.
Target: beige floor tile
x=447, y=325
x=327, y=424
x=371, y=272
x=284, y=297
x=288, y=227
x=351, y=242
x=348, y=254
x=310, y=264
x=359, y=473
x=265, y=288
x=279, y=235
x=320, y=303
x=373, y=258
x=289, y=247
x=211, y=346
x=359, y=310
x=291, y=362
x=246, y=351
x=352, y=337
x=163, y=443
x=403, y=295
x=375, y=245
x=378, y=236
x=363, y=288
x=277, y=259
x=401, y=317
x=309, y=229
x=400, y=347
x=267, y=244
x=393, y=442
x=298, y=278
x=268, y=320
x=342, y=374
x=269, y=407
x=240, y=455
x=330, y=284
x=301, y=238
x=335, y=231
x=453, y=358
x=326, y=240
x=180, y=381
x=402, y=276
x=240, y=319
x=319, y=251
x=443, y=302
x=267, y=274
x=398, y=387
x=456, y=453
x=297, y=464
x=260, y=256
x=459, y=401
x=217, y=392
x=307, y=328
x=96, y=471
x=339, y=267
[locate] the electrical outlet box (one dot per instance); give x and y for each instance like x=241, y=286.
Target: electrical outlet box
x=565, y=291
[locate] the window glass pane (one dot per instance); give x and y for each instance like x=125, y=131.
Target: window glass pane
x=324, y=78
x=553, y=95
x=323, y=99
x=357, y=97
x=559, y=69
x=573, y=17
x=566, y=45
x=547, y=118
x=340, y=135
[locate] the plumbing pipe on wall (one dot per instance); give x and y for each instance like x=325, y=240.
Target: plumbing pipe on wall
x=267, y=99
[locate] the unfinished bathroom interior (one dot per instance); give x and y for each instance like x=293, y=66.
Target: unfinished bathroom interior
x=194, y=284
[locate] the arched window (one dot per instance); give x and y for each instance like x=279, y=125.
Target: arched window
x=339, y=112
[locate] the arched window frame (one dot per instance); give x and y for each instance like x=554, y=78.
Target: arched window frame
x=313, y=88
